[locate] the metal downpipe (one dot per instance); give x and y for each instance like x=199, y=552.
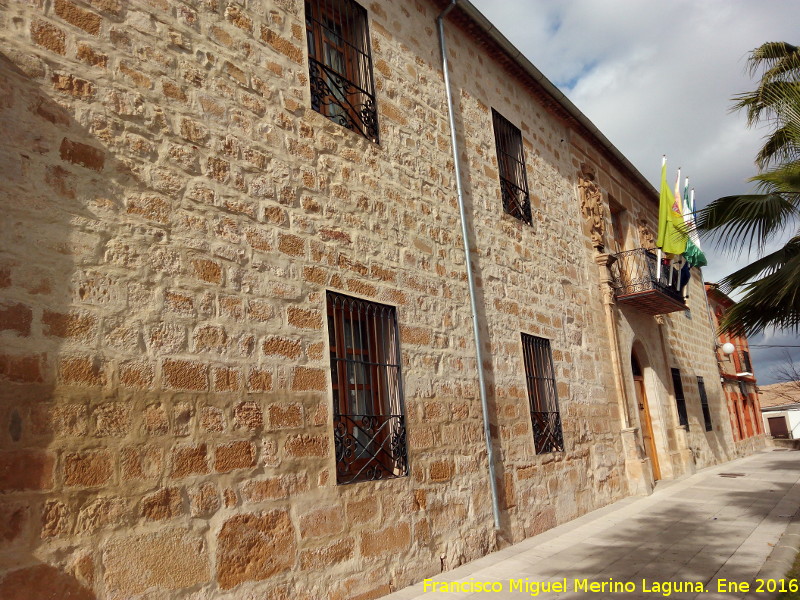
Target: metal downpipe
x=470, y=277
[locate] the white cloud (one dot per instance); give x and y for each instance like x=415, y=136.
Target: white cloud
x=657, y=78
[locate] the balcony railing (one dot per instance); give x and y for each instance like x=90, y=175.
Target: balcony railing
x=342, y=100
x=547, y=434
x=637, y=283
x=369, y=447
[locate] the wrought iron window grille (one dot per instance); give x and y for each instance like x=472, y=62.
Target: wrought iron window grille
x=743, y=389
x=745, y=366
x=701, y=389
x=368, y=410
x=511, y=166
x=680, y=400
x=542, y=394
x=369, y=447
x=340, y=65
x=746, y=361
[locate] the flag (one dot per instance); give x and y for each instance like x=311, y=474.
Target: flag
x=693, y=253
x=671, y=229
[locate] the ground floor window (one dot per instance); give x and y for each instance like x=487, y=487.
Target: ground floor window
x=542, y=394
x=368, y=412
x=701, y=388
x=680, y=400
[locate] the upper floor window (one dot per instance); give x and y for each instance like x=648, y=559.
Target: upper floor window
x=368, y=413
x=542, y=394
x=617, y=225
x=743, y=361
x=340, y=65
x=511, y=164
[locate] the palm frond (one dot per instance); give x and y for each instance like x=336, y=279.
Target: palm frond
x=771, y=301
x=782, y=146
x=770, y=284
x=766, y=265
x=744, y=221
x=770, y=100
x=779, y=58
x=783, y=180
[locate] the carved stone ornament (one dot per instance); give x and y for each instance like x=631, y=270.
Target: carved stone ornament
x=645, y=235
x=592, y=205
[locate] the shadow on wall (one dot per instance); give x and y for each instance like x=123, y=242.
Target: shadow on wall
x=505, y=494
x=58, y=190
x=472, y=543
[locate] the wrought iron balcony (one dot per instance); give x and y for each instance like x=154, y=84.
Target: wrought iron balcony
x=547, y=434
x=516, y=201
x=369, y=447
x=342, y=100
x=637, y=284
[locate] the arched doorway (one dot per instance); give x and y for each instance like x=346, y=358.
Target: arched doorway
x=644, y=416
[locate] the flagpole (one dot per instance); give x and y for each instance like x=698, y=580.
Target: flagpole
x=702, y=279
x=677, y=189
x=685, y=288
x=658, y=254
x=691, y=211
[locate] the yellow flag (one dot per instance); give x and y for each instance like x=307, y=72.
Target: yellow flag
x=671, y=229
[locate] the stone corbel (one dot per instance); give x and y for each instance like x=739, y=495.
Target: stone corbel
x=604, y=261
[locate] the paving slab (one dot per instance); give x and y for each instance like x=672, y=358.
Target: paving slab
x=689, y=534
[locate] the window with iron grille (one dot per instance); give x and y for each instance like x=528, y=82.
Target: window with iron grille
x=368, y=414
x=680, y=401
x=340, y=65
x=511, y=164
x=739, y=415
x=542, y=394
x=701, y=388
x=743, y=389
x=744, y=362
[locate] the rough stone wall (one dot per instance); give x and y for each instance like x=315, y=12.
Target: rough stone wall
x=684, y=341
x=538, y=279
x=173, y=212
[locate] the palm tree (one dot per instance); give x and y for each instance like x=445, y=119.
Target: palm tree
x=771, y=284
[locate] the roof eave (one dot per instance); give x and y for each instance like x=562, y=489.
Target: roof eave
x=585, y=126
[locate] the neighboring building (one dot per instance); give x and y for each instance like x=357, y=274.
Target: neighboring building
x=238, y=357
x=736, y=373
x=780, y=409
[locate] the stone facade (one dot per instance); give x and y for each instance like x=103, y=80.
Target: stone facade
x=173, y=214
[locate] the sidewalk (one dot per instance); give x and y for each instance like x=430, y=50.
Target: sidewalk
x=700, y=529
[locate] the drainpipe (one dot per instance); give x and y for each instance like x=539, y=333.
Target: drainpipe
x=470, y=277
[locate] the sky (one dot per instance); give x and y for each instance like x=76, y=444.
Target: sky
x=657, y=78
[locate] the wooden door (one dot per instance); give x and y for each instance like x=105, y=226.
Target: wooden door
x=778, y=427
x=647, y=426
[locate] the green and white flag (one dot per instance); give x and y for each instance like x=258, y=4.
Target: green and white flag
x=693, y=253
